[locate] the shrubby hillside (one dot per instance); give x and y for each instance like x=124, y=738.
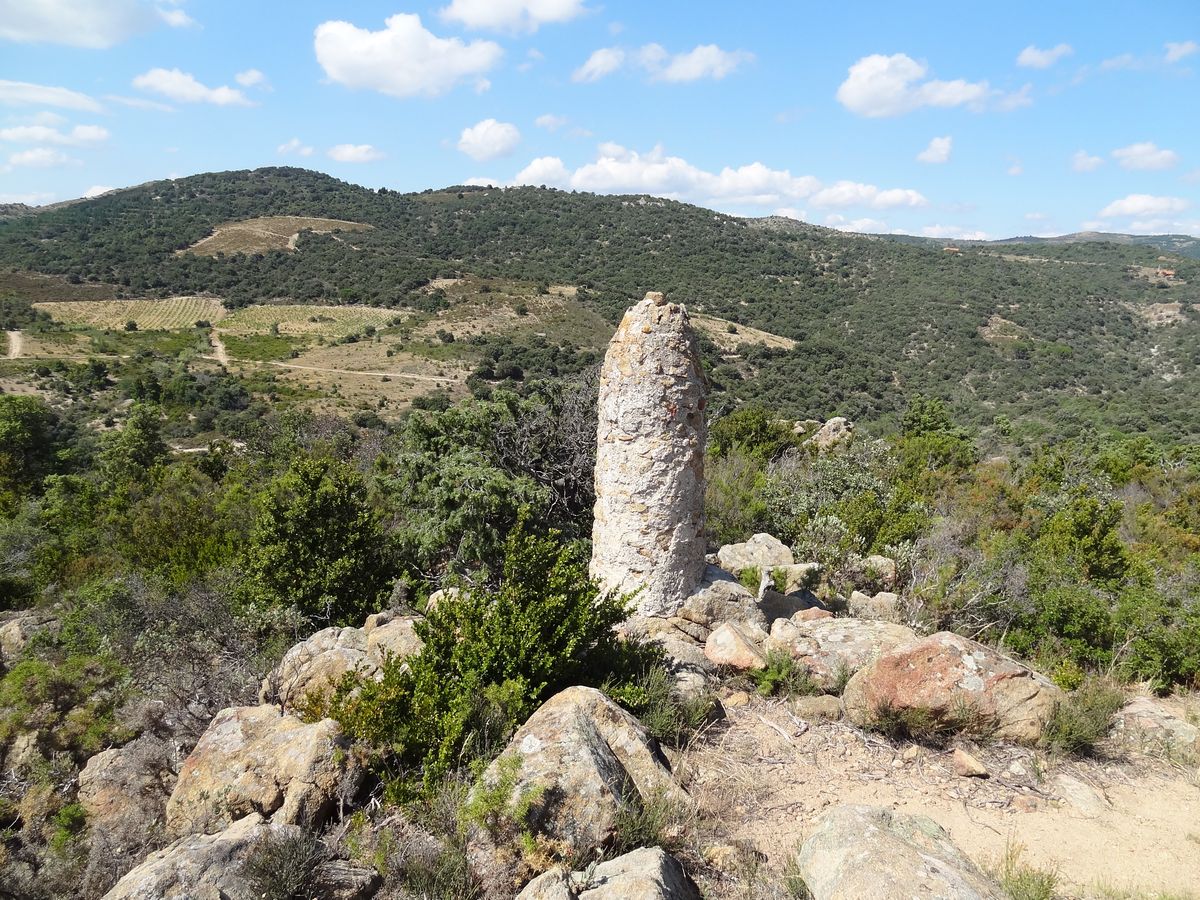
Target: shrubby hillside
x=1059, y=338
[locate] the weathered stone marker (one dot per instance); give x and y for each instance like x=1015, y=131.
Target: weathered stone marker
x=649, y=515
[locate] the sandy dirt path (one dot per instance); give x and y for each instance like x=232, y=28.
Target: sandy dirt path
x=219, y=351
x=16, y=344
x=1117, y=823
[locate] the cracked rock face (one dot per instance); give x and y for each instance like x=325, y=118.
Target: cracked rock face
x=649, y=515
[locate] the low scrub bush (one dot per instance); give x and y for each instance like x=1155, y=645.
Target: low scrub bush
x=490, y=657
x=1021, y=881
x=928, y=726
x=1083, y=718
x=671, y=718
x=284, y=866
x=783, y=676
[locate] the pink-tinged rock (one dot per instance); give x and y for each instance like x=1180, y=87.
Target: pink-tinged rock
x=834, y=649
x=949, y=677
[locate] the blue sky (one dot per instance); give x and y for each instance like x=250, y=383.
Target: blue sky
x=941, y=119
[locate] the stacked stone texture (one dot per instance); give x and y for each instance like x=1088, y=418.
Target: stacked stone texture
x=649, y=515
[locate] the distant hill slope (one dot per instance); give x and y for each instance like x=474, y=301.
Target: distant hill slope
x=1176, y=244
x=874, y=321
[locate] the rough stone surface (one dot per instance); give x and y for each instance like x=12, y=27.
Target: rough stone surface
x=255, y=759
x=1148, y=725
x=775, y=605
x=945, y=674
x=812, y=614
x=822, y=706
x=396, y=637
x=967, y=766
x=645, y=874
x=317, y=664
x=836, y=431
x=198, y=866
x=736, y=646
x=833, y=649
x=870, y=853
x=883, y=607
x=798, y=576
x=882, y=568
x=18, y=630
x=649, y=514
x=586, y=757
x=763, y=552
x=126, y=789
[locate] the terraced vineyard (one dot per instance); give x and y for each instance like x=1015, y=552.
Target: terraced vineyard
x=171, y=314
x=330, y=321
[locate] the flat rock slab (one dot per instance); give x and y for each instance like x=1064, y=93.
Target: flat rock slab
x=869, y=853
x=834, y=649
x=762, y=552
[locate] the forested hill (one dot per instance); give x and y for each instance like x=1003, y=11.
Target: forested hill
x=1056, y=337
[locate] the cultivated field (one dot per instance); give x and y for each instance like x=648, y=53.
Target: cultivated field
x=266, y=233
x=718, y=331
x=171, y=314
x=331, y=321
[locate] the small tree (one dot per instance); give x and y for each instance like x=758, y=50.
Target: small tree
x=318, y=545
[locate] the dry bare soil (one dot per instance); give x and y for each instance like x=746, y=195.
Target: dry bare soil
x=1111, y=827
x=267, y=233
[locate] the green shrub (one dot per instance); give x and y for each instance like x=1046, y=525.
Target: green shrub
x=783, y=676
x=928, y=726
x=750, y=578
x=669, y=717
x=1083, y=718
x=660, y=820
x=490, y=657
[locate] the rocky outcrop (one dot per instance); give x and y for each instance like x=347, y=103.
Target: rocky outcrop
x=646, y=874
x=834, y=649
x=762, y=552
x=125, y=790
x=256, y=759
x=1148, y=725
x=198, y=866
x=883, y=606
x=583, y=758
x=947, y=678
x=648, y=534
x=316, y=665
x=737, y=647
x=871, y=853
x=837, y=430
x=18, y=630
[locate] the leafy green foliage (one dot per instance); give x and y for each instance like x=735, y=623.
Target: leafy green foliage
x=490, y=658
x=783, y=676
x=318, y=545
x=671, y=718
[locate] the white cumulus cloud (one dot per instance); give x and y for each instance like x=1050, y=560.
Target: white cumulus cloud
x=489, y=139
x=602, y=62
x=1083, y=161
x=96, y=190
x=938, y=150
x=1142, y=205
x=512, y=15
x=550, y=122
x=954, y=232
x=402, y=60
x=878, y=86
x=1177, y=50
x=355, y=153
x=250, y=78
x=183, y=87
x=1033, y=58
x=618, y=169
x=23, y=93
x=40, y=158
x=44, y=134
x=295, y=145
x=704, y=61
x=864, y=225
x=1145, y=155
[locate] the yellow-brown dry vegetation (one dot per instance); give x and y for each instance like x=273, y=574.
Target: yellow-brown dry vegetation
x=718, y=331
x=267, y=233
x=331, y=321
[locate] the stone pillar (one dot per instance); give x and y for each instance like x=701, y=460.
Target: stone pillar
x=649, y=515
